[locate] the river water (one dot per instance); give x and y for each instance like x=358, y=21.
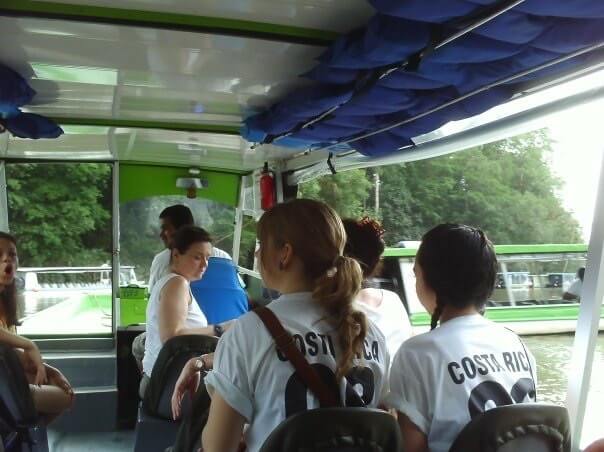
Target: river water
x=553, y=355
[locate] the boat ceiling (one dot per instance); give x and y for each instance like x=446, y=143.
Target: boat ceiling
x=165, y=82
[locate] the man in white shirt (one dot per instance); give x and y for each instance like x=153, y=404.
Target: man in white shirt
x=170, y=220
x=574, y=290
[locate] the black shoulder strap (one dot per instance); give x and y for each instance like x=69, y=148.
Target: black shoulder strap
x=285, y=343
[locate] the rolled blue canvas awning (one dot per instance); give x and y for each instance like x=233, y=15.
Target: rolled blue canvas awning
x=390, y=72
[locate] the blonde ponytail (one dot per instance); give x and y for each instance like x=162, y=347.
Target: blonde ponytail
x=335, y=291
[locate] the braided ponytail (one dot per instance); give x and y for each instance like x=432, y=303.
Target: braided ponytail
x=436, y=316
x=335, y=291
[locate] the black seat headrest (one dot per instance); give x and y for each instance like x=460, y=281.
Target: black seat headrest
x=171, y=359
x=336, y=430
x=536, y=427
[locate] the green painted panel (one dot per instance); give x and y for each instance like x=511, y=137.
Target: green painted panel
x=506, y=249
x=518, y=314
x=399, y=252
x=548, y=248
x=166, y=20
x=142, y=181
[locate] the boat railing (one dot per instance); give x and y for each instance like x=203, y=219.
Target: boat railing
x=73, y=278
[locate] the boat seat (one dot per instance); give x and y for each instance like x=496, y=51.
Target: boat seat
x=219, y=293
x=155, y=429
x=336, y=430
x=153, y=434
x=192, y=424
x=19, y=427
x=526, y=426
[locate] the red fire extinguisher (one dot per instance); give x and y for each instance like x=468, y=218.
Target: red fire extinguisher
x=267, y=188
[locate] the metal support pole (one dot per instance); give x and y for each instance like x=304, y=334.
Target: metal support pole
x=115, y=244
x=238, y=221
x=279, y=181
x=376, y=180
x=587, y=324
x=3, y=198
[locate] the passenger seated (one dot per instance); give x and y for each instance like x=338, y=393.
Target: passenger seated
x=384, y=307
x=171, y=219
x=171, y=310
x=301, y=256
x=442, y=379
x=51, y=392
x=574, y=290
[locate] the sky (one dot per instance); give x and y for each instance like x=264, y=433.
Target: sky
x=578, y=136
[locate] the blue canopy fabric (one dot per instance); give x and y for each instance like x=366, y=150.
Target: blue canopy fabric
x=14, y=93
x=347, y=82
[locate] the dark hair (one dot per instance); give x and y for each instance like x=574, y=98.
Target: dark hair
x=188, y=235
x=315, y=232
x=581, y=273
x=8, y=297
x=178, y=215
x=459, y=264
x=364, y=243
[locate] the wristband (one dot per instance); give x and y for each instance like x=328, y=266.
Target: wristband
x=218, y=330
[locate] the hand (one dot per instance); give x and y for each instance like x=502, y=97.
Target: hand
x=56, y=378
x=33, y=358
x=208, y=361
x=187, y=381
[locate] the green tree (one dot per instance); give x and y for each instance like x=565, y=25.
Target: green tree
x=506, y=188
x=60, y=213
x=346, y=192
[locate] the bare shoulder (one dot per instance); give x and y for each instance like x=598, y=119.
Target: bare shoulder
x=175, y=285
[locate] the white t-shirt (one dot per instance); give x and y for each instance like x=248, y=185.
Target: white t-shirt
x=390, y=317
x=260, y=384
x=575, y=288
x=469, y=364
x=153, y=343
x=161, y=264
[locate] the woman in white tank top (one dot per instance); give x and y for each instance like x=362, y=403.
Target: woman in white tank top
x=172, y=310
x=383, y=307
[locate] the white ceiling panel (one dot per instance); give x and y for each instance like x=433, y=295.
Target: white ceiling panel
x=94, y=70
x=78, y=143
x=213, y=150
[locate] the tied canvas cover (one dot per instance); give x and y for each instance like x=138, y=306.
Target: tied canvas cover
x=349, y=81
